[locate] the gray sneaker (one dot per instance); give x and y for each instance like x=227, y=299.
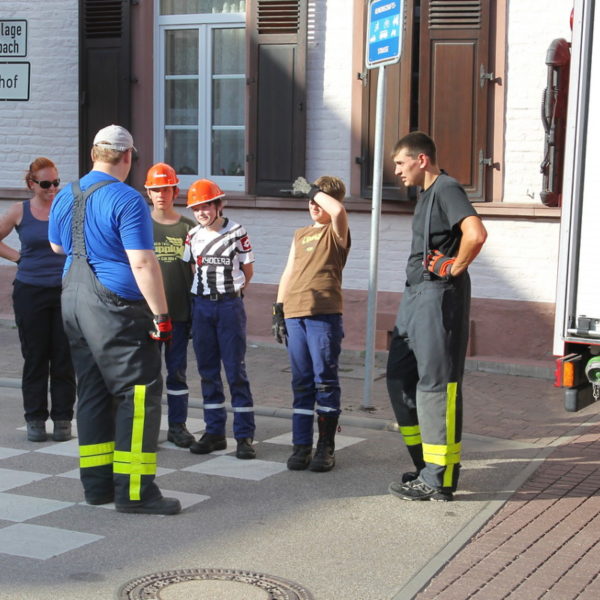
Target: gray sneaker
x=36, y=431
x=62, y=431
x=418, y=490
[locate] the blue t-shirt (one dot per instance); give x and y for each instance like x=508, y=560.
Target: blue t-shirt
x=117, y=218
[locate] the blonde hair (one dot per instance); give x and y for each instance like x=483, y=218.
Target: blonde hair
x=333, y=186
x=41, y=162
x=106, y=155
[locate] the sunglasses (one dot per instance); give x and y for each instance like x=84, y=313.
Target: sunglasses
x=45, y=185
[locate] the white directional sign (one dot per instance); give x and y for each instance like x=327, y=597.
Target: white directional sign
x=13, y=38
x=384, y=32
x=14, y=80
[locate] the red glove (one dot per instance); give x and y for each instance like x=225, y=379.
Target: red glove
x=440, y=264
x=163, y=328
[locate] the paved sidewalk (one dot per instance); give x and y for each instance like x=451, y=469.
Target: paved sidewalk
x=543, y=543
x=539, y=539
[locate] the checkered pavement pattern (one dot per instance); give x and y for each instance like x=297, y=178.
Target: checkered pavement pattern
x=19, y=536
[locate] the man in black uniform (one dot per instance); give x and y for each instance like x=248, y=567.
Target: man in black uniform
x=428, y=348
x=111, y=289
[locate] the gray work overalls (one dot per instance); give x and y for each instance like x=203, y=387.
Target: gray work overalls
x=425, y=370
x=119, y=380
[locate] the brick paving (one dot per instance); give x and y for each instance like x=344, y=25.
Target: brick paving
x=543, y=543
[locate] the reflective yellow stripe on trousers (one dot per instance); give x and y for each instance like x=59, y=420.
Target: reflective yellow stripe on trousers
x=411, y=435
x=446, y=455
x=136, y=463
x=96, y=455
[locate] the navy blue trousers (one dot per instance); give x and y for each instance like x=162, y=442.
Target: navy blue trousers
x=314, y=346
x=219, y=336
x=176, y=365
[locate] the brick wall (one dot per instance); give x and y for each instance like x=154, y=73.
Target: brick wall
x=329, y=75
x=519, y=259
x=47, y=124
x=532, y=25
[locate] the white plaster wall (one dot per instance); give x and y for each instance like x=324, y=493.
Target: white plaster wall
x=532, y=25
x=329, y=92
x=518, y=262
x=47, y=124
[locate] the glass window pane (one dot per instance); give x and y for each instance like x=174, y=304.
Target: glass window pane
x=181, y=102
x=227, y=153
x=228, y=102
x=190, y=7
x=229, y=55
x=181, y=151
x=181, y=52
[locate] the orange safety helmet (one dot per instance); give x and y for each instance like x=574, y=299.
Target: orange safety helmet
x=161, y=175
x=203, y=191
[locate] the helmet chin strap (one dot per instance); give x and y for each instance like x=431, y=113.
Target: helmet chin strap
x=216, y=217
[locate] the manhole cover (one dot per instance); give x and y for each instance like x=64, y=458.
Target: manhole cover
x=217, y=584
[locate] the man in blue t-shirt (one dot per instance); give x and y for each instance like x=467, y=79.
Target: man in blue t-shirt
x=114, y=310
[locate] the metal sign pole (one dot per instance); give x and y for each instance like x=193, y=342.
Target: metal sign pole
x=374, y=249
x=383, y=47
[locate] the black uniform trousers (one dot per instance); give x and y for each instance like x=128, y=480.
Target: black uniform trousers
x=46, y=353
x=424, y=375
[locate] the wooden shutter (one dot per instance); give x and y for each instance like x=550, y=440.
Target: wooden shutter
x=104, y=70
x=453, y=87
x=397, y=118
x=276, y=35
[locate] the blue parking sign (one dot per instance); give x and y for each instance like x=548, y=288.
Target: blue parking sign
x=384, y=32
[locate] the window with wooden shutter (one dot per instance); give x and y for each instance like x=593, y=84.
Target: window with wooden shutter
x=400, y=111
x=276, y=36
x=454, y=81
x=104, y=70
x=441, y=86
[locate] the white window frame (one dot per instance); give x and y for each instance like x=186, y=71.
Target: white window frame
x=205, y=23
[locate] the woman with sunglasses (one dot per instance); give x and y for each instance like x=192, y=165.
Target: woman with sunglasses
x=36, y=300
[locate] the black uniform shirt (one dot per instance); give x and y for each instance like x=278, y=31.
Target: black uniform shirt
x=450, y=207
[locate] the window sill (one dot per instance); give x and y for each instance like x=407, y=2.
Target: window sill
x=513, y=210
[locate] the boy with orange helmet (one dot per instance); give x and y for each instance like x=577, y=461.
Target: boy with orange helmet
x=170, y=232
x=222, y=253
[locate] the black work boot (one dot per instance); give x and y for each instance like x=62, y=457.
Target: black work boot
x=208, y=443
x=300, y=458
x=244, y=450
x=180, y=436
x=324, y=458
x=158, y=506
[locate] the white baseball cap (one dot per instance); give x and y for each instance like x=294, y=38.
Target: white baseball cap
x=114, y=137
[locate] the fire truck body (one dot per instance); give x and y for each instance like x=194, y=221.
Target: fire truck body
x=577, y=320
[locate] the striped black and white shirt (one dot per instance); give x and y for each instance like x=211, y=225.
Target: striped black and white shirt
x=218, y=256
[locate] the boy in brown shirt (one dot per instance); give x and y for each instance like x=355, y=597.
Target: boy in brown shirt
x=308, y=317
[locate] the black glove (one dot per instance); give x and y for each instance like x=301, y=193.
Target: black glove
x=440, y=264
x=303, y=188
x=279, y=330
x=163, y=328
